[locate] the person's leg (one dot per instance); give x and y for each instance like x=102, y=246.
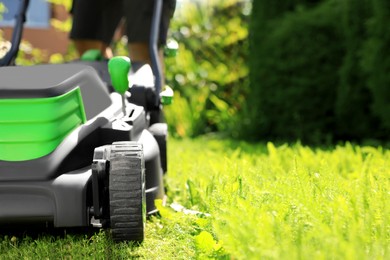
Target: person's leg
x=138, y=24
x=85, y=45
x=139, y=52
x=139, y=17
x=94, y=23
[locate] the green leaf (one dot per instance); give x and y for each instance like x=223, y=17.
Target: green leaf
x=205, y=242
x=165, y=212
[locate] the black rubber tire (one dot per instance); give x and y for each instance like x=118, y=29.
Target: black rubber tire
x=127, y=192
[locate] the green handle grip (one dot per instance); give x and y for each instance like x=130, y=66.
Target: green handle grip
x=171, y=49
x=167, y=96
x=119, y=68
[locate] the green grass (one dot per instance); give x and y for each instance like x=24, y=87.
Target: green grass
x=264, y=201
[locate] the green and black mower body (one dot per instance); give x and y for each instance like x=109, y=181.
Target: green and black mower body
x=75, y=153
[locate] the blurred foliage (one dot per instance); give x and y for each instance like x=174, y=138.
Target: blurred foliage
x=319, y=71
x=66, y=3
x=293, y=83
x=353, y=97
x=3, y=9
x=63, y=26
x=209, y=74
x=376, y=60
x=30, y=55
x=4, y=46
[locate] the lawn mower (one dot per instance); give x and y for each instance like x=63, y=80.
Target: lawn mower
x=82, y=144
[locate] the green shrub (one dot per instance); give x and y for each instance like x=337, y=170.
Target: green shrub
x=30, y=55
x=376, y=61
x=354, y=99
x=293, y=85
x=209, y=75
x=319, y=71
x=210, y=72
x=3, y=9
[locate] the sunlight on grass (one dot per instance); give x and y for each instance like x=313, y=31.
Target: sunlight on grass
x=251, y=202
x=288, y=201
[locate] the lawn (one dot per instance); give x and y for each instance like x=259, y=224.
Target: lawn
x=244, y=201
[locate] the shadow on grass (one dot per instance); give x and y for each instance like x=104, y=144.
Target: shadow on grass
x=260, y=147
x=40, y=231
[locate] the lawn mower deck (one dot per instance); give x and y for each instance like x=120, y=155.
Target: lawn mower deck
x=80, y=144
x=70, y=157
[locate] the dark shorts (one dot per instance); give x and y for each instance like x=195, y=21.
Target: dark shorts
x=98, y=19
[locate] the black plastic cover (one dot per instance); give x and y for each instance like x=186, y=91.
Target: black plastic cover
x=43, y=81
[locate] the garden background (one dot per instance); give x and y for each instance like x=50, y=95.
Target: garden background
x=309, y=70
x=279, y=137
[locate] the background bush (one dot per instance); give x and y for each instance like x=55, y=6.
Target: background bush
x=294, y=85
x=353, y=98
x=210, y=73
x=376, y=60
x=319, y=71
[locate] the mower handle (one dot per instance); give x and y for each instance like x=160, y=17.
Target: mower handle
x=20, y=19
x=153, y=49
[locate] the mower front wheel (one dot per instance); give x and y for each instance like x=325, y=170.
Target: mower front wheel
x=127, y=199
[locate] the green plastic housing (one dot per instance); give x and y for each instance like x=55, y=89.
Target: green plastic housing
x=33, y=128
